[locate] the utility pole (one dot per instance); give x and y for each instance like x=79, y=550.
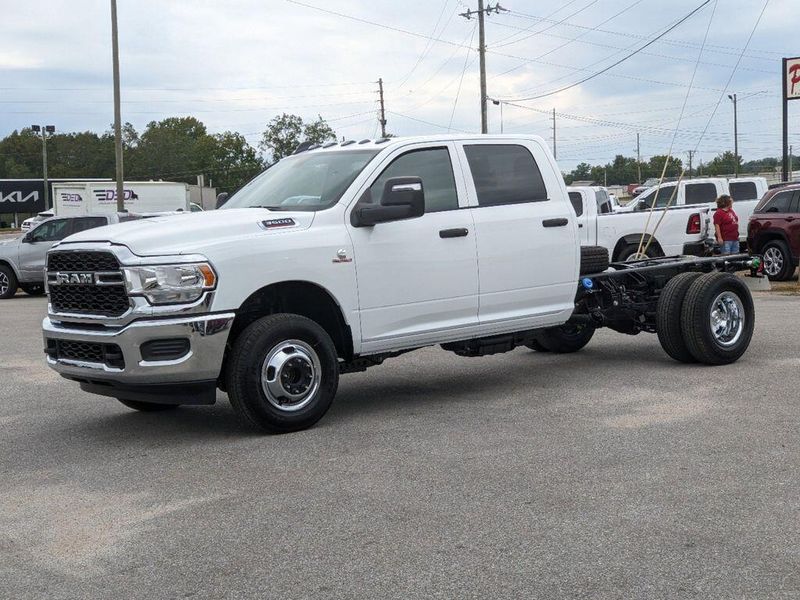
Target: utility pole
x=691, y=156
x=554, y=134
x=732, y=97
x=790, y=163
x=382, y=120
x=117, y=110
x=638, y=160
x=44, y=130
x=482, y=53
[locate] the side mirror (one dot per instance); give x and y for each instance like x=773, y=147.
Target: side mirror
x=402, y=198
x=222, y=198
x=27, y=238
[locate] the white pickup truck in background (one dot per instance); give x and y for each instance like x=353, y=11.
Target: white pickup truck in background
x=745, y=191
x=679, y=232
x=344, y=255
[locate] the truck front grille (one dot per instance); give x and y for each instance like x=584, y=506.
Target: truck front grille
x=87, y=283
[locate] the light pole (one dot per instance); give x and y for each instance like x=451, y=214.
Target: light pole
x=44, y=130
x=732, y=98
x=117, y=110
x=500, y=104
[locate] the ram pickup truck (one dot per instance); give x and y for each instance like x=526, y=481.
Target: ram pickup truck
x=745, y=191
x=666, y=232
x=344, y=255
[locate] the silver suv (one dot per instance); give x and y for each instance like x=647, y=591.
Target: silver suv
x=22, y=258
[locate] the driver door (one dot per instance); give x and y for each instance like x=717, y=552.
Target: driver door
x=417, y=277
x=33, y=253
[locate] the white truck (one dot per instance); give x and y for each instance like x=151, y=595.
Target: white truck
x=678, y=232
x=100, y=197
x=745, y=191
x=342, y=256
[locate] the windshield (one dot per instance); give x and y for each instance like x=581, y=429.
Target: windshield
x=308, y=181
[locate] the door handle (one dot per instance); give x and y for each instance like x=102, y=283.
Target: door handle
x=555, y=222
x=790, y=218
x=453, y=233
x=580, y=224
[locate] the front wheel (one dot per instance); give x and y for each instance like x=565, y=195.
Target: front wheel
x=282, y=374
x=565, y=339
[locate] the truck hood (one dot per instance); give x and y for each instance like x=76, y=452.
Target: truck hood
x=191, y=233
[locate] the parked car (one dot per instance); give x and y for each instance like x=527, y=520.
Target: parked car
x=636, y=190
x=342, y=256
x=28, y=223
x=22, y=259
x=680, y=231
x=746, y=192
x=774, y=231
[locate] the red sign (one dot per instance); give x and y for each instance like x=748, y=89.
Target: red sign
x=792, y=78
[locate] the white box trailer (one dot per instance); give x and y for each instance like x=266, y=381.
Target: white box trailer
x=100, y=197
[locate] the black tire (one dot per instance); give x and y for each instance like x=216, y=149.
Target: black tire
x=566, y=339
x=594, y=259
x=668, y=317
x=32, y=289
x=778, y=263
x=712, y=292
x=8, y=283
x=292, y=343
x=629, y=251
x=535, y=344
x=148, y=406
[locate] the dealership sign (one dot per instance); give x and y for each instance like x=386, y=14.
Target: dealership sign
x=792, y=75
x=21, y=196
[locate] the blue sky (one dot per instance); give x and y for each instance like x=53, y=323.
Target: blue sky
x=237, y=64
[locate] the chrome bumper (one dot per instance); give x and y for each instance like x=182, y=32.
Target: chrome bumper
x=207, y=337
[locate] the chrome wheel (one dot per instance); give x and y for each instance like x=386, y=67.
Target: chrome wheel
x=3, y=283
x=773, y=261
x=727, y=318
x=290, y=375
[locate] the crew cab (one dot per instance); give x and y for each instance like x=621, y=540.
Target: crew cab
x=745, y=191
x=774, y=231
x=22, y=259
x=677, y=232
x=342, y=256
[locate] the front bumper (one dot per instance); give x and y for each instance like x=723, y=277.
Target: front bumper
x=131, y=376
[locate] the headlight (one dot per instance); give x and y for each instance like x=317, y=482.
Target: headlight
x=170, y=284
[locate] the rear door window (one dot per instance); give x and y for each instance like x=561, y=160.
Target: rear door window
x=576, y=200
x=743, y=190
x=603, y=202
x=84, y=223
x=779, y=203
x=700, y=193
x=505, y=174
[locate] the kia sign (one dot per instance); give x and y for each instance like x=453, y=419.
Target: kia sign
x=792, y=75
x=21, y=196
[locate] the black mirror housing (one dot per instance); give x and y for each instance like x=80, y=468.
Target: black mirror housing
x=402, y=198
x=222, y=198
x=26, y=239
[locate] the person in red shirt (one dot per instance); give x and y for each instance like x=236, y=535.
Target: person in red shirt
x=726, y=225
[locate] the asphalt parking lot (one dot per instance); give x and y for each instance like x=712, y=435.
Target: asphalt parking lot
x=613, y=472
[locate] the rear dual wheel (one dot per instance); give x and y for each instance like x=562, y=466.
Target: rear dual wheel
x=705, y=318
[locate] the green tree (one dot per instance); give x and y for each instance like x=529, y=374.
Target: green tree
x=655, y=166
x=723, y=164
x=234, y=161
x=285, y=132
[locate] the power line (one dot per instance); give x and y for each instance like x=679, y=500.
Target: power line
x=428, y=43
x=555, y=24
x=611, y=18
x=559, y=9
x=608, y=68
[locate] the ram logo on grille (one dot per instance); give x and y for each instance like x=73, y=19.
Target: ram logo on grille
x=73, y=279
